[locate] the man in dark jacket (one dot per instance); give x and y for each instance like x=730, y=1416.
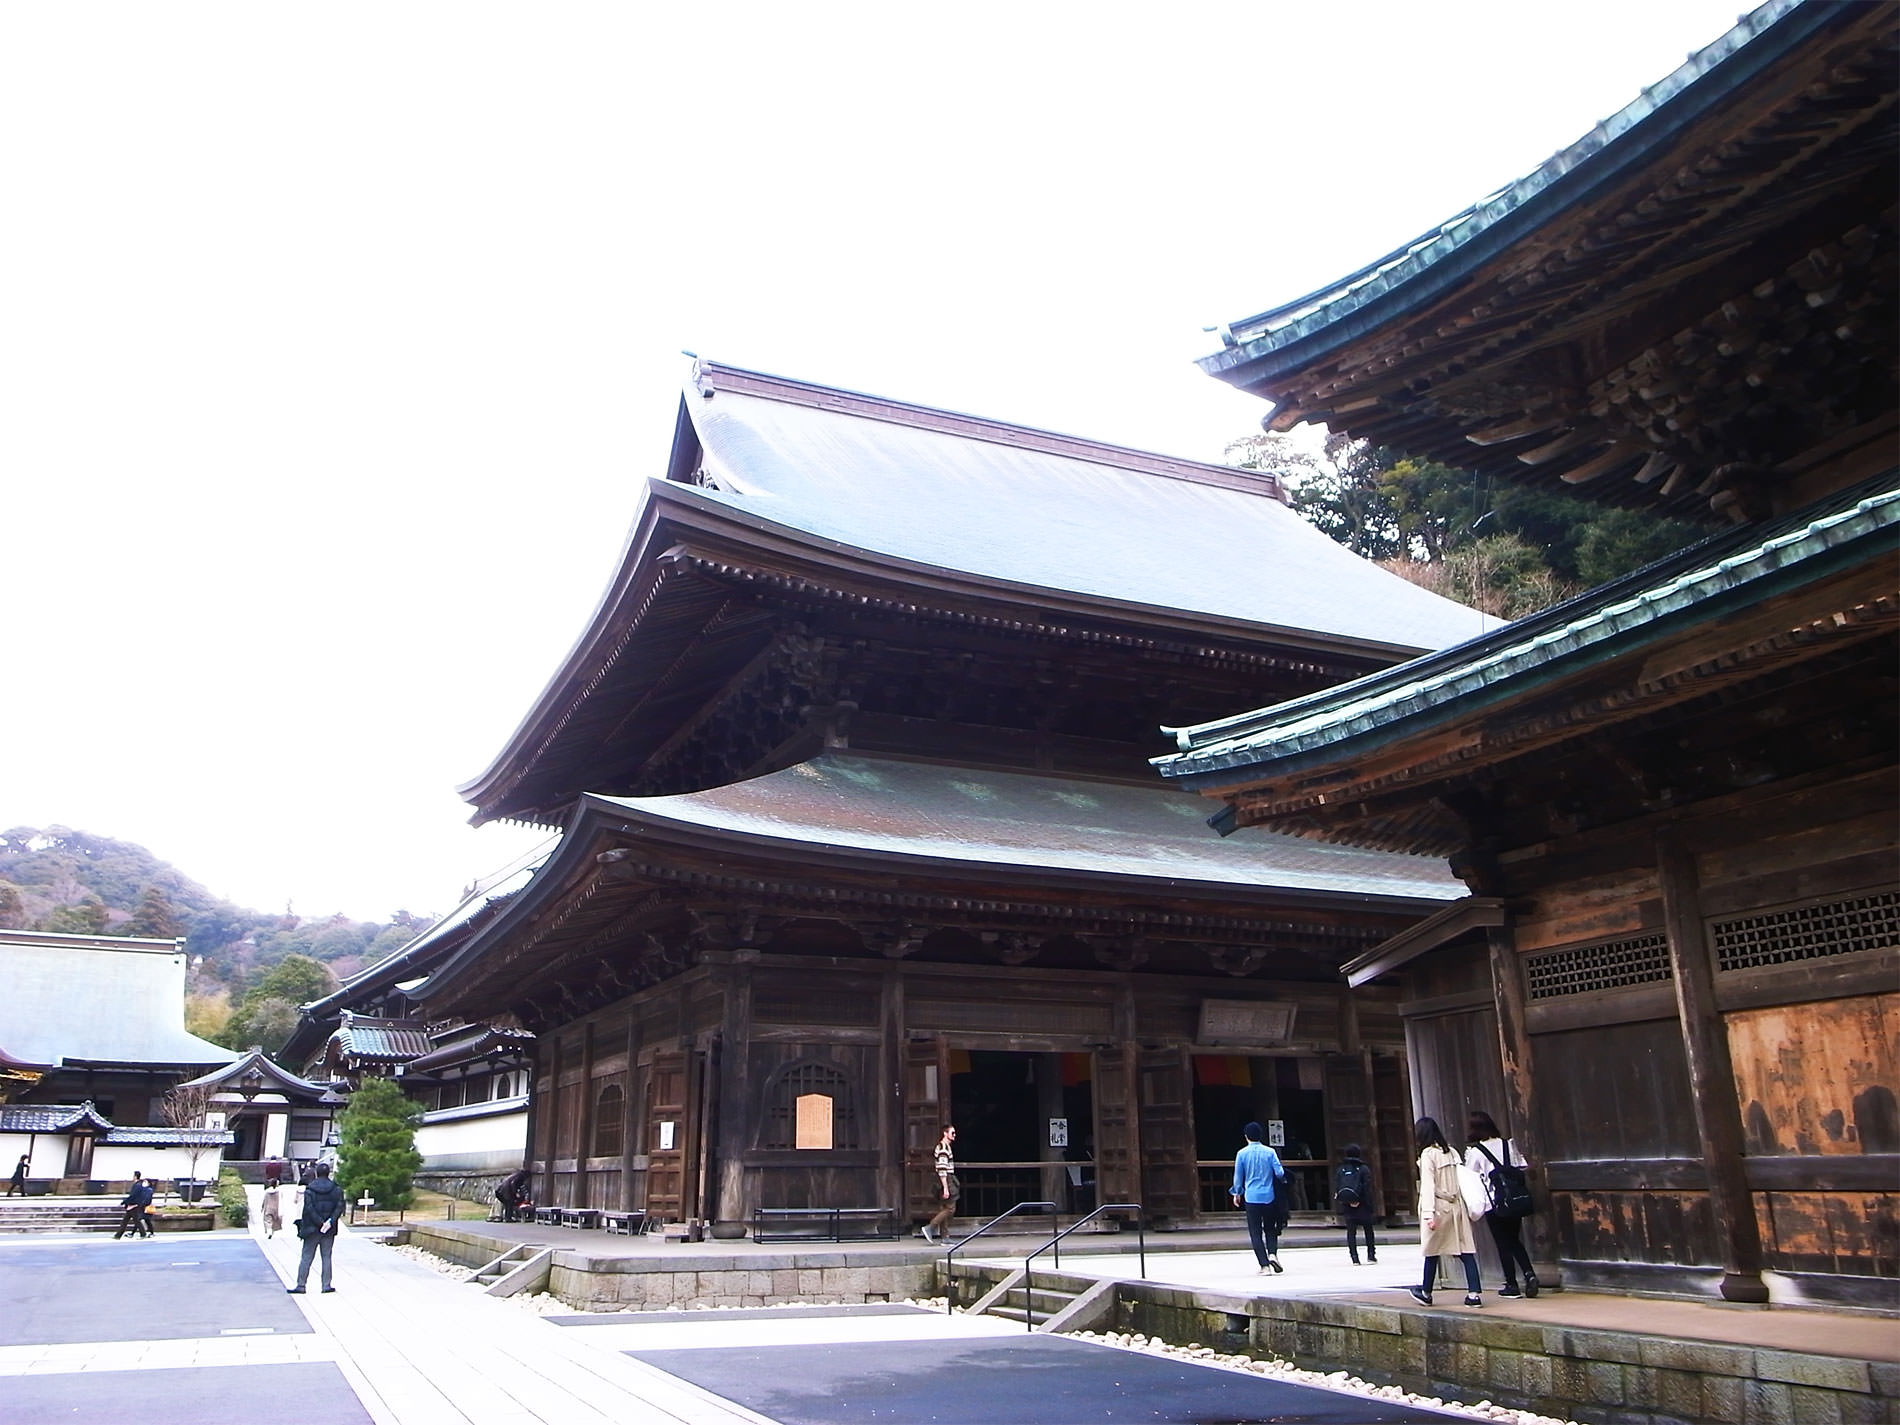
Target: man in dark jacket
x=132, y=1217
x=512, y=1193
x=316, y=1224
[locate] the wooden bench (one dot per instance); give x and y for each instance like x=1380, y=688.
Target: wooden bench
x=823, y=1224
x=585, y=1218
x=547, y=1217
x=630, y=1224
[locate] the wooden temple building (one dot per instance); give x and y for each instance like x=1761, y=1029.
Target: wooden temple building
x=1672, y=799
x=858, y=835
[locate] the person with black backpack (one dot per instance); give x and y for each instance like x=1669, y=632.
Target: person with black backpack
x=1495, y=1159
x=1352, y=1195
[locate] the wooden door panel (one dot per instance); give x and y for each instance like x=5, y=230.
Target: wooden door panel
x=926, y=1111
x=1117, y=1146
x=666, y=1165
x=1170, y=1185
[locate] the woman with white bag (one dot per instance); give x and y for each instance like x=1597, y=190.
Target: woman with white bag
x=1490, y=1151
x=1442, y=1209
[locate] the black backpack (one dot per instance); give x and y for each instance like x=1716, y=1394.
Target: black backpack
x=1510, y=1188
x=1354, y=1190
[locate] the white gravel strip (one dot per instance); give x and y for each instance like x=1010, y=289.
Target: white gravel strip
x=1333, y=1380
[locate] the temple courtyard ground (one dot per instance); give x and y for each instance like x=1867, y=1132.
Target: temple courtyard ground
x=197, y=1327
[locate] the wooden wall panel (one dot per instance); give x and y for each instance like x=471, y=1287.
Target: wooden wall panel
x=1455, y=1067
x=1819, y=1077
x=1592, y=908
x=1618, y=1091
x=1841, y=1233
x=1674, y=1227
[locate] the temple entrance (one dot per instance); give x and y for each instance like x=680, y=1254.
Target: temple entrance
x=1287, y=1096
x=1025, y=1129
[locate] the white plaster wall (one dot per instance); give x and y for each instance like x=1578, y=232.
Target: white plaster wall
x=491, y=1140
x=48, y=1150
x=112, y=1163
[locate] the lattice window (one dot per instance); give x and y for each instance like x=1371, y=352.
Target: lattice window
x=610, y=1121
x=780, y=1127
x=1584, y=969
x=1808, y=932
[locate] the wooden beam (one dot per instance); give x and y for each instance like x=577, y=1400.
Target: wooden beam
x=1562, y=445
x=1711, y=1076
x=1514, y=1058
x=1513, y=430
x=1621, y=453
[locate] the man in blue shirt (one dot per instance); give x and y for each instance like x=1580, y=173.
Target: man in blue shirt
x=1257, y=1172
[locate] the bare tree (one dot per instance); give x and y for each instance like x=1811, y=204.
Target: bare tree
x=184, y=1107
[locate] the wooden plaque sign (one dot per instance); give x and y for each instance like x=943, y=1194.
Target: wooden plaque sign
x=1245, y=1021
x=814, y=1121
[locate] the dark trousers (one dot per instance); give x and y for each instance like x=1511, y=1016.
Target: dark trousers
x=1470, y=1259
x=1353, y=1229
x=1263, y=1229
x=324, y=1242
x=132, y=1219
x=1508, y=1233
x=16, y=1185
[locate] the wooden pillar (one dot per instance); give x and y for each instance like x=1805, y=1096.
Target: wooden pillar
x=733, y=1123
x=584, y=1147
x=1711, y=1076
x=548, y=1100
x=1520, y=1079
x=888, y=1103
x=635, y=1117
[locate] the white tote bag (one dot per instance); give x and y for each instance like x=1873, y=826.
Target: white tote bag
x=1476, y=1193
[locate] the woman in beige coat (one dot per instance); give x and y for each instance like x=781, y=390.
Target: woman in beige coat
x=1441, y=1208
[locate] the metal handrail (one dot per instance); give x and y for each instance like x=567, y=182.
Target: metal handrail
x=949, y=1264
x=1029, y=1284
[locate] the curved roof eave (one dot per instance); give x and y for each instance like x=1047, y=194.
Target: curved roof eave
x=1296, y=333
x=1607, y=623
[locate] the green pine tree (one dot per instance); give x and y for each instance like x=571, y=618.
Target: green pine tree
x=155, y=916
x=378, y=1153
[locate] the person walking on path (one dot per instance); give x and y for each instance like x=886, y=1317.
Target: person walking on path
x=273, y=1211
x=1352, y=1195
x=1441, y=1203
x=17, y=1183
x=1490, y=1150
x=132, y=1218
x=316, y=1224
x=1257, y=1176
x=947, y=1185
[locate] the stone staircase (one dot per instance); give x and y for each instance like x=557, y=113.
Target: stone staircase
x=58, y=1214
x=1048, y=1301
x=519, y=1269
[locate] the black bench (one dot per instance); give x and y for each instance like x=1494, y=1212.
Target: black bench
x=630, y=1223
x=823, y=1224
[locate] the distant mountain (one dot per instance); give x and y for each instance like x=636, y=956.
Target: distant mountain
x=55, y=878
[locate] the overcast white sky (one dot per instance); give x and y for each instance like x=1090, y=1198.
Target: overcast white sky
x=335, y=338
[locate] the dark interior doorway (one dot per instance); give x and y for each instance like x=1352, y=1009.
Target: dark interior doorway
x=1232, y=1090
x=1008, y=1107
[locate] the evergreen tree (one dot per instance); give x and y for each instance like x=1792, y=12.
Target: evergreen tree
x=378, y=1153
x=268, y=1012
x=86, y=916
x=12, y=908
x=155, y=916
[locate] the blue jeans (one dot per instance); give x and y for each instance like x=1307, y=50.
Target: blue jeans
x=1263, y=1229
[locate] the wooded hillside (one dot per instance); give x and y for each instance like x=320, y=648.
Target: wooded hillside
x=55, y=878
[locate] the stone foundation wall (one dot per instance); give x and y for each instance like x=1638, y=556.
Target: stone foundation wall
x=761, y=1277
x=470, y=1187
x=634, y=1284
x=1603, y=1377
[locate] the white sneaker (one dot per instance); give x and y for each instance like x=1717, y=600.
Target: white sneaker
x=930, y=1235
